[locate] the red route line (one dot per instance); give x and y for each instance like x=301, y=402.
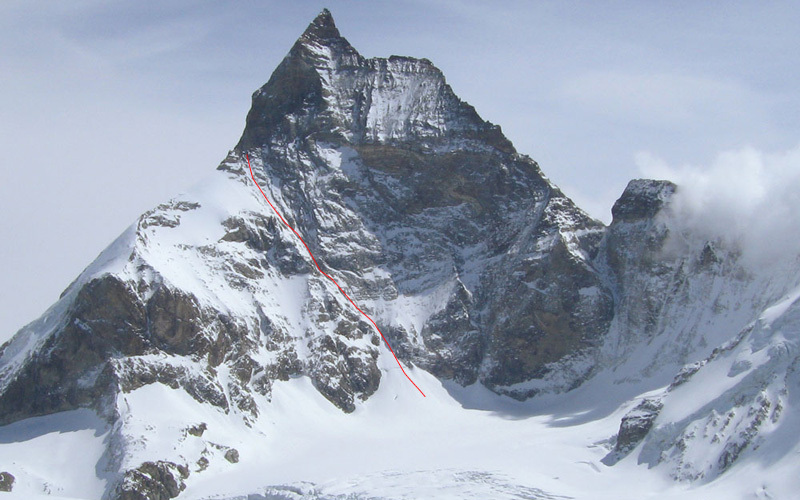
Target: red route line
x=328, y=276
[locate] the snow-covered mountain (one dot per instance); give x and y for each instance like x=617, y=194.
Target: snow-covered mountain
x=203, y=355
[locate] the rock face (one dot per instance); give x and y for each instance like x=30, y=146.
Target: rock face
x=634, y=427
x=433, y=197
x=152, y=481
x=6, y=481
x=675, y=292
x=643, y=199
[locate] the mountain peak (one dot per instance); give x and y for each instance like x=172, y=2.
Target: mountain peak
x=642, y=199
x=322, y=29
x=321, y=43
x=325, y=88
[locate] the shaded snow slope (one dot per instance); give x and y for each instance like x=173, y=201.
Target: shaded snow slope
x=62, y=455
x=739, y=402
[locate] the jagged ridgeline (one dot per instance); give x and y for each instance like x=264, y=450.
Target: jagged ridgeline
x=477, y=269
x=473, y=263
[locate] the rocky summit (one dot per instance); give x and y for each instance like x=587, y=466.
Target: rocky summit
x=478, y=270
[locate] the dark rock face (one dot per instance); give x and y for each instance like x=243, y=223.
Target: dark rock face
x=6, y=481
x=455, y=339
x=632, y=253
x=669, y=285
x=642, y=199
x=69, y=371
x=173, y=324
x=232, y=455
x=633, y=429
x=153, y=481
x=197, y=430
x=558, y=307
x=100, y=350
x=636, y=424
x=435, y=195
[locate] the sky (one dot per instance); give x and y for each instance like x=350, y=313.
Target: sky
x=108, y=108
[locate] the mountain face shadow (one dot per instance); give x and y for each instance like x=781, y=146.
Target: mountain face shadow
x=63, y=422
x=595, y=400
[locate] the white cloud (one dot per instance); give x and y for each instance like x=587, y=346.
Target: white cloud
x=747, y=198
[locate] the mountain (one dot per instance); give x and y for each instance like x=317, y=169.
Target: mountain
x=732, y=328
x=203, y=354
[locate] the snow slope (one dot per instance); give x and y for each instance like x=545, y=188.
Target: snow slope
x=396, y=445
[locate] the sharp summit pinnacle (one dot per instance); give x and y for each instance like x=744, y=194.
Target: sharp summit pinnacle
x=322, y=27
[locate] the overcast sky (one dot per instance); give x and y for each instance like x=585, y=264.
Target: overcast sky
x=109, y=108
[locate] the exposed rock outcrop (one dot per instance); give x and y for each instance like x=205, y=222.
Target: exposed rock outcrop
x=152, y=481
x=6, y=481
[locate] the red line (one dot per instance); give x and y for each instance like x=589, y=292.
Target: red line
x=328, y=276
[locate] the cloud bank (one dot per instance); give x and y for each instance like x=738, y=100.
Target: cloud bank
x=745, y=199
